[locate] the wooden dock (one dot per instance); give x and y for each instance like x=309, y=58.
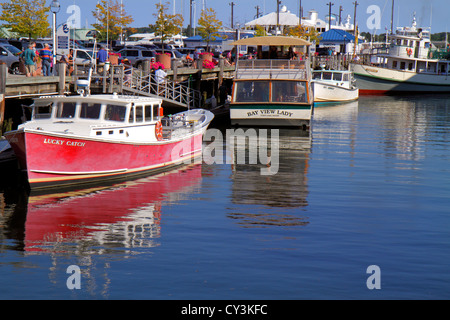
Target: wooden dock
x=21, y=87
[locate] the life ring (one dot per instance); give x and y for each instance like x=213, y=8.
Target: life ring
x=409, y=51
x=159, y=131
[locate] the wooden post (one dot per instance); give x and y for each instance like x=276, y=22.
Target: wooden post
x=122, y=75
x=175, y=70
x=3, y=74
x=104, y=79
x=111, y=79
x=62, y=77
x=221, y=67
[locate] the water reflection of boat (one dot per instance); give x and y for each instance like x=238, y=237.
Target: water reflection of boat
x=125, y=215
x=285, y=190
x=336, y=112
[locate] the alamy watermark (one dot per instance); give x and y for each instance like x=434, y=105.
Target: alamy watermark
x=374, y=280
x=74, y=280
x=234, y=146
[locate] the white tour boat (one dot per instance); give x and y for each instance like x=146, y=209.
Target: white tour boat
x=411, y=65
x=334, y=86
x=269, y=90
x=79, y=139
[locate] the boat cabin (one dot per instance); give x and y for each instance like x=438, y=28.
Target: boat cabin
x=342, y=78
x=110, y=117
x=277, y=76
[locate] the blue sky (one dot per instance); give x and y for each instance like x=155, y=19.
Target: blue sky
x=434, y=12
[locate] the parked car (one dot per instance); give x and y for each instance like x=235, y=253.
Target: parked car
x=83, y=57
x=9, y=55
x=137, y=55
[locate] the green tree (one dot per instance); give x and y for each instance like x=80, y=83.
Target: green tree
x=260, y=31
x=112, y=19
x=26, y=17
x=209, y=26
x=307, y=33
x=166, y=25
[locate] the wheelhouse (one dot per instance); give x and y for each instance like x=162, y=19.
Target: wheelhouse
x=96, y=116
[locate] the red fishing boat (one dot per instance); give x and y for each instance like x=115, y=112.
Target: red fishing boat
x=79, y=139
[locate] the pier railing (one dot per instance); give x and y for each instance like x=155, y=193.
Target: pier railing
x=137, y=82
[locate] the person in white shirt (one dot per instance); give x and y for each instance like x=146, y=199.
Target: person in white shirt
x=160, y=75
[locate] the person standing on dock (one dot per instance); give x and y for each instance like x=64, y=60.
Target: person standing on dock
x=46, y=56
x=29, y=56
x=102, y=58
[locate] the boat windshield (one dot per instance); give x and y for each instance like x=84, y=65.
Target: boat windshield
x=65, y=110
x=115, y=113
x=270, y=91
x=90, y=110
x=288, y=91
x=252, y=91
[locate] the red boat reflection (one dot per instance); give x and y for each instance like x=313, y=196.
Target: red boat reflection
x=125, y=215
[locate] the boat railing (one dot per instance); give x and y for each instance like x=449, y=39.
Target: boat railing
x=273, y=68
x=173, y=123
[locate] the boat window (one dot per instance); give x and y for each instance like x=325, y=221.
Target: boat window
x=346, y=77
x=43, y=112
x=394, y=64
x=252, y=91
x=139, y=114
x=90, y=110
x=115, y=113
x=148, y=113
x=317, y=75
x=402, y=65
x=327, y=75
x=156, y=112
x=65, y=110
x=337, y=76
x=288, y=91
x=131, y=117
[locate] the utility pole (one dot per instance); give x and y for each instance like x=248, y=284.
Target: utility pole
x=300, y=13
x=340, y=14
x=257, y=12
x=329, y=14
x=278, y=16
x=232, y=4
x=190, y=19
x=392, y=18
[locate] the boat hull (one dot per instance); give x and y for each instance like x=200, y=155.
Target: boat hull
x=376, y=80
x=330, y=93
x=271, y=115
x=54, y=160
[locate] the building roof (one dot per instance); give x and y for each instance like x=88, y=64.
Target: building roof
x=286, y=19
x=336, y=35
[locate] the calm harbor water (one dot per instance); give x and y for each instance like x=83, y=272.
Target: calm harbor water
x=371, y=186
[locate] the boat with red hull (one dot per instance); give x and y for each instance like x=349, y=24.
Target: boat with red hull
x=81, y=139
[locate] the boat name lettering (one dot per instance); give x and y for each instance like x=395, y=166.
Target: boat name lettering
x=269, y=112
x=64, y=142
x=371, y=70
